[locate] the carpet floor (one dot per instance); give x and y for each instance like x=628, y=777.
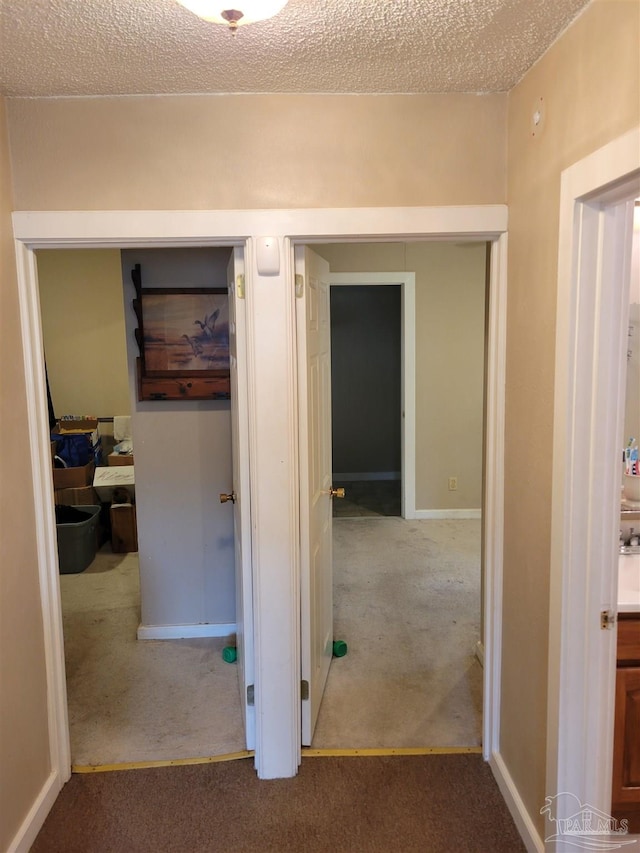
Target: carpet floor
x=439, y=804
x=145, y=700
x=368, y=498
x=407, y=603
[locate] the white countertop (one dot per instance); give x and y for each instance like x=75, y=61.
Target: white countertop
x=629, y=583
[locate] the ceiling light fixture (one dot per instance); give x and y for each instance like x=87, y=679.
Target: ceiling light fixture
x=246, y=11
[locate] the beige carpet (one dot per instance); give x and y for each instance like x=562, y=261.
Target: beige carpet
x=133, y=700
x=407, y=602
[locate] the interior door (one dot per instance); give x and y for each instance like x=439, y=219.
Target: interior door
x=240, y=489
x=314, y=389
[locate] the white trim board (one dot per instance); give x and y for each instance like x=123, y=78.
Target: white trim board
x=273, y=425
x=184, y=632
x=448, y=513
x=66, y=229
x=493, y=497
x=521, y=817
x=45, y=530
x=32, y=824
x=593, y=282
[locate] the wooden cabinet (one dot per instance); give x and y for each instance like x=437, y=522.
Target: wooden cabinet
x=183, y=387
x=626, y=738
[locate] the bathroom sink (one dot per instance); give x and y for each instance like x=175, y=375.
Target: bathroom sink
x=629, y=583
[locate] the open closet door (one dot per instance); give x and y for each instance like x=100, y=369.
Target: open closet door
x=240, y=494
x=314, y=392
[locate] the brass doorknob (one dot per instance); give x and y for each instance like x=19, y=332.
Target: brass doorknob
x=224, y=498
x=337, y=493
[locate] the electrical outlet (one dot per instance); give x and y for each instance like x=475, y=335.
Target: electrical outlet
x=453, y=484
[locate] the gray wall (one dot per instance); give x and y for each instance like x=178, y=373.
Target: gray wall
x=366, y=378
x=449, y=380
x=182, y=463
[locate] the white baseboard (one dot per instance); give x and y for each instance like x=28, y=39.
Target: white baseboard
x=448, y=513
x=480, y=652
x=525, y=826
x=367, y=475
x=186, y=632
x=32, y=824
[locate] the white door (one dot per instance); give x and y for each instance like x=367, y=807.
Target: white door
x=314, y=387
x=240, y=489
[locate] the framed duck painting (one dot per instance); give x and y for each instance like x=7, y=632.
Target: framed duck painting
x=183, y=335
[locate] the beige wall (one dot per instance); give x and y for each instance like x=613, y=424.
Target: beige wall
x=632, y=399
x=257, y=151
x=449, y=326
x=24, y=745
x=82, y=309
x=589, y=81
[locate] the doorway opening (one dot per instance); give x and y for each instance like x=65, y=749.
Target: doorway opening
x=406, y=591
x=596, y=220
x=366, y=399
x=625, y=799
x=144, y=631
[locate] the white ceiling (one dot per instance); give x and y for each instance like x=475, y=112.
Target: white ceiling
x=113, y=47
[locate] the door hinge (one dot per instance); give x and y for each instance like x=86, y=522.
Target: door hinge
x=607, y=619
x=240, y=286
x=304, y=690
x=251, y=695
x=299, y=285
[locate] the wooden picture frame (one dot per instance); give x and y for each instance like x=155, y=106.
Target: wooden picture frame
x=183, y=336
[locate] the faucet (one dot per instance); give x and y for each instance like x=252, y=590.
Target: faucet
x=632, y=546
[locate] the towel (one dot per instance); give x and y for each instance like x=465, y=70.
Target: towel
x=122, y=428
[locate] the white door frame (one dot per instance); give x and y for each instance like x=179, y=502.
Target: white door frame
x=407, y=283
x=272, y=429
x=240, y=456
x=593, y=281
x=313, y=331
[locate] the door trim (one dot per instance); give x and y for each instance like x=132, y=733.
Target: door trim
x=240, y=454
x=44, y=522
x=407, y=283
x=593, y=281
x=313, y=333
x=273, y=428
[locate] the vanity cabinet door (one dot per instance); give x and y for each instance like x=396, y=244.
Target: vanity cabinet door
x=626, y=742
x=628, y=641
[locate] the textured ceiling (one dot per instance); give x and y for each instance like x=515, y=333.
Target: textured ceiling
x=113, y=47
